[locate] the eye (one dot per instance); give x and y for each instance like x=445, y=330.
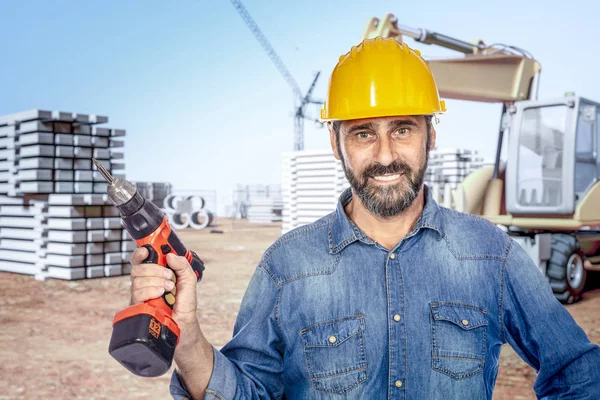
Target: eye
x=363, y=135
x=402, y=131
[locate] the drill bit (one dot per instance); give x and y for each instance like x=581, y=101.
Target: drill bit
x=103, y=171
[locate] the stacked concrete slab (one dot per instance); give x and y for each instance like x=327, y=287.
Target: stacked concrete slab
x=451, y=166
x=258, y=203
x=265, y=209
x=265, y=203
x=312, y=181
x=55, y=218
x=156, y=192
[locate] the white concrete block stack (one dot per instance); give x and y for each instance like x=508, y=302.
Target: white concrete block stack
x=312, y=182
x=452, y=166
x=265, y=203
x=55, y=218
x=156, y=192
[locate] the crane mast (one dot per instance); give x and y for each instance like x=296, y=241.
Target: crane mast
x=303, y=100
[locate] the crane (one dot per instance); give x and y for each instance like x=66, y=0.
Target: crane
x=304, y=100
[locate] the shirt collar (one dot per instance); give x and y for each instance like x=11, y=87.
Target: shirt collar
x=342, y=231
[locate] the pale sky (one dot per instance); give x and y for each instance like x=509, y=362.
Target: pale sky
x=206, y=109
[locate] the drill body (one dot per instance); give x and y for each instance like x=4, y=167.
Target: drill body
x=145, y=335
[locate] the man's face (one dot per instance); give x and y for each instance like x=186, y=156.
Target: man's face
x=385, y=160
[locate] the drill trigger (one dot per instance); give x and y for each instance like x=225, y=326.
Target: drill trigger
x=152, y=255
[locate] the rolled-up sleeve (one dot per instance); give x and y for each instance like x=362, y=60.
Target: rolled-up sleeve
x=250, y=365
x=544, y=333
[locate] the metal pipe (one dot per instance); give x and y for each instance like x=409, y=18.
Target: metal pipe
x=415, y=33
x=427, y=37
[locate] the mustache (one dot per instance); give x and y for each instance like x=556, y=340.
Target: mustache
x=397, y=167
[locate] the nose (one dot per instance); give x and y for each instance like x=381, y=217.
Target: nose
x=384, y=151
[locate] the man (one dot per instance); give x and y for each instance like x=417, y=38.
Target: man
x=391, y=296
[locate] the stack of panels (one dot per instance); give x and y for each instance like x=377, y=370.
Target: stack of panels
x=265, y=203
x=156, y=192
x=160, y=191
x=451, y=166
x=288, y=191
x=266, y=209
x=55, y=218
x=312, y=182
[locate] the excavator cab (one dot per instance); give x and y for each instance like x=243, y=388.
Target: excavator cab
x=554, y=163
x=546, y=194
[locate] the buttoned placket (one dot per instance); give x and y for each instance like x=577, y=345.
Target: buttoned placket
x=397, y=327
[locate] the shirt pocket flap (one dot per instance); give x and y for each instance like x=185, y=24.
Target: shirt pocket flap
x=334, y=332
x=463, y=315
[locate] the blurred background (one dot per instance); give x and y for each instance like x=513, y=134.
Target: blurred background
x=209, y=115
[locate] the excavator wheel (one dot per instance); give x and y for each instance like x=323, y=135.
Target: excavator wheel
x=565, y=269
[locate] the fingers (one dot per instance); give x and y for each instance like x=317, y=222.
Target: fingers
x=144, y=294
x=148, y=288
x=143, y=270
x=140, y=283
x=181, y=267
x=139, y=255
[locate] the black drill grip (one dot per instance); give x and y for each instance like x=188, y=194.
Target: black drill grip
x=197, y=265
x=152, y=255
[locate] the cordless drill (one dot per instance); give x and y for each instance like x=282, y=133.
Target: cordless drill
x=145, y=335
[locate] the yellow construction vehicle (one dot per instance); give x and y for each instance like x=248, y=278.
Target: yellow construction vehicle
x=547, y=192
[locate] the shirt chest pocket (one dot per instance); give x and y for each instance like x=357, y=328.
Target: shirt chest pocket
x=335, y=354
x=458, y=339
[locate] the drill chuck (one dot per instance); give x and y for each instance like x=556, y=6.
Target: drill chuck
x=121, y=193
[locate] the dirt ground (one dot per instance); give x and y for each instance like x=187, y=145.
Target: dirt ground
x=55, y=334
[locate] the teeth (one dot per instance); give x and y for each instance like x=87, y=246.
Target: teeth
x=386, y=177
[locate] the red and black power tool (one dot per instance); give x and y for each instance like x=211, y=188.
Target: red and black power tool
x=145, y=335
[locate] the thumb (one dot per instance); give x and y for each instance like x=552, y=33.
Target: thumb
x=182, y=269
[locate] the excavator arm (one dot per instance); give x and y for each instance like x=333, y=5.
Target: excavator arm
x=488, y=74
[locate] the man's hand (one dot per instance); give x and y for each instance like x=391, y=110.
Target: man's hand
x=150, y=281
x=194, y=354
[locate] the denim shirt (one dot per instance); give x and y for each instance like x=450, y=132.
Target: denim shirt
x=331, y=314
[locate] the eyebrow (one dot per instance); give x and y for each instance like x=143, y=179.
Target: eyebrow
x=399, y=123
x=362, y=127
x=395, y=124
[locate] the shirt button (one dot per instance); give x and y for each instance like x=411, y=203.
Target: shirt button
x=398, y=384
x=332, y=339
x=392, y=256
x=465, y=322
x=397, y=318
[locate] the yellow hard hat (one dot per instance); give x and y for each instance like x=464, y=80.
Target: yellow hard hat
x=380, y=78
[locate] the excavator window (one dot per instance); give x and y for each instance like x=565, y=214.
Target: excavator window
x=540, y=158
x=585, y=149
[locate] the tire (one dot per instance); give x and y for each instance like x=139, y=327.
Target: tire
x=565, y=271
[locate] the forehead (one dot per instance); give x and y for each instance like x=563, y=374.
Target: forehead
x=382, y=122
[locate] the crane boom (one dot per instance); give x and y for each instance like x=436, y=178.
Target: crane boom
x=262, y=39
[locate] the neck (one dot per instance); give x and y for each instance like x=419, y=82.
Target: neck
x=388, y=232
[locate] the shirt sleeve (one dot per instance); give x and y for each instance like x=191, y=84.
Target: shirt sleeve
x=544, y=334
x=250, y=366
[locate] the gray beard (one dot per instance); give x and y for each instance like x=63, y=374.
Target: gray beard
x=390, y=200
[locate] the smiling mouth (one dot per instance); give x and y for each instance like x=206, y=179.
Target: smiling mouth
x=386, y=178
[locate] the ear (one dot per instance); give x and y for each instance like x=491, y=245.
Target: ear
x=336, y=151
x=432, y=139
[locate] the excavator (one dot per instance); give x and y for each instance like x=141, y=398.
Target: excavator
x=546, y=194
